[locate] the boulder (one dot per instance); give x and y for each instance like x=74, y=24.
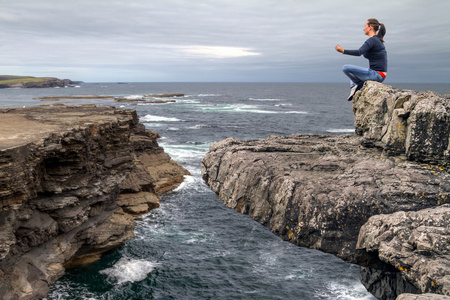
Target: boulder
x=415, y=124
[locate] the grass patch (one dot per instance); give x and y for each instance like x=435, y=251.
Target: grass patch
x=6, y=79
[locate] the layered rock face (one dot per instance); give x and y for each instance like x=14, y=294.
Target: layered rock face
x=318, y=191
x=71, y=180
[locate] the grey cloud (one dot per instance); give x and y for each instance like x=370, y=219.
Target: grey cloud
x=101, y=40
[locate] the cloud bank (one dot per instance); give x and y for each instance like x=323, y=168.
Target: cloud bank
x=220, y=40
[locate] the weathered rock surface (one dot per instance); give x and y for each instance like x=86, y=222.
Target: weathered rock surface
x=416, y=243
x=318, y=191
x=71, y=180
x=416, y=124
x=385, y=284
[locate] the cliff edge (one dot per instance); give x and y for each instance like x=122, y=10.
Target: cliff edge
x=390, y=179
x=71, y=180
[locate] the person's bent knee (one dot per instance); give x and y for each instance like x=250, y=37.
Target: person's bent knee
x=346, y=68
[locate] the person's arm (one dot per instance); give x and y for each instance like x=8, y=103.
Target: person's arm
x=364, y=48
x=353, y=52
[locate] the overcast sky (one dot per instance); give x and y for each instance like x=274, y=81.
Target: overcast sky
x=219, y=40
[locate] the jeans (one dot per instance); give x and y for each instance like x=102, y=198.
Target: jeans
x=358, y=75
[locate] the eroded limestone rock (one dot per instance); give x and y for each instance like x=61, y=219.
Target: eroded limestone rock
x=71, y=180
x=416, y=124
x=317, y=191
x=416, y=243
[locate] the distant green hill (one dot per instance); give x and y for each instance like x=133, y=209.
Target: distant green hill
x=13, y=81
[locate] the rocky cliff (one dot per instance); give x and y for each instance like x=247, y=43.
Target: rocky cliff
x=318, y=191
x=71, y=180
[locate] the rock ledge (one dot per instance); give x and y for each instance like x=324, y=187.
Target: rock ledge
x=71, y=180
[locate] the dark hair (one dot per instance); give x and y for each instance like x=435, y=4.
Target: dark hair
x=378, y=27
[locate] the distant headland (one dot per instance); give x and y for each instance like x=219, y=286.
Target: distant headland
x=12, y=81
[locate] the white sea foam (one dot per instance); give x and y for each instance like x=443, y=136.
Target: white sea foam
x=296, y=275
x=152, y=118
x=253, y=109
x=341, y=130
x=134, y=97
x=269, y=258
x=350, y=291
x=193, y=183
x=297, y=112
x=199, y=236
x=183, y=153
x=155, y=103
x=189, y=101
x=245, y=108
x=61, y=290
x=283, y=104
x=258, y=111
x=198, y=126
x=256, y=99
x=188, y=181
x=130, y=270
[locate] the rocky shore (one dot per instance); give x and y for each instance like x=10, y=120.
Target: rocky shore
x=378, y=198
x=71, y=181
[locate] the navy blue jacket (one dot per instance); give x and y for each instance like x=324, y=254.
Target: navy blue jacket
x=373, y=49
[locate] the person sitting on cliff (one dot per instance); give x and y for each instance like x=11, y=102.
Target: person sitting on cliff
x=374, y=50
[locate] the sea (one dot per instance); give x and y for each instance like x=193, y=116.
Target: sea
x=192, y=246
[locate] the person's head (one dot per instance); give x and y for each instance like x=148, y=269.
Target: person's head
x=377, y=27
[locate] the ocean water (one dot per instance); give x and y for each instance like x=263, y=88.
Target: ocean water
x=193, y=247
